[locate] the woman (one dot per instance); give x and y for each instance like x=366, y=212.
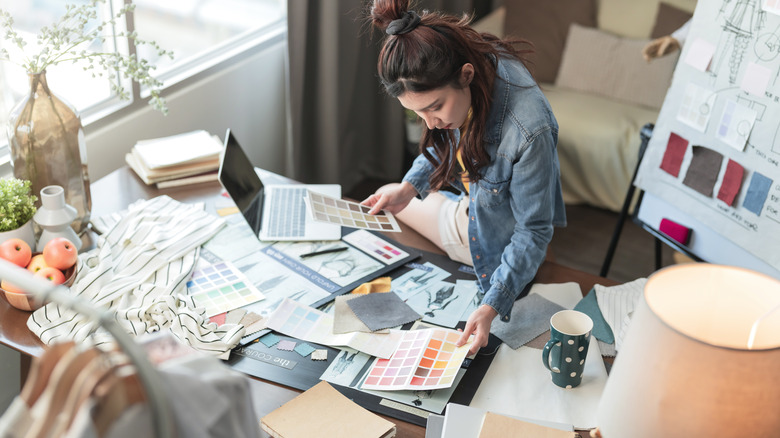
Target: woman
x=490, y=134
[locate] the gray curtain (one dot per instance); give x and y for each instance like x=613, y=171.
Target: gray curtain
x=343, y=127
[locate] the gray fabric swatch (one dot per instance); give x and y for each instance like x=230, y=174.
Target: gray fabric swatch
x=530, y=318
x=345, y=320
x=382, y=310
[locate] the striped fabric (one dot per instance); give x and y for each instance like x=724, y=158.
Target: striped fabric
x=139, y=270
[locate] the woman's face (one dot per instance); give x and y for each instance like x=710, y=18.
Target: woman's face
x=442, y=108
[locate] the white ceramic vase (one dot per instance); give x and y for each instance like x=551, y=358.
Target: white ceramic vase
x=55, y=217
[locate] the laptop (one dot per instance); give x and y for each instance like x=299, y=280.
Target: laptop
x=274, y=212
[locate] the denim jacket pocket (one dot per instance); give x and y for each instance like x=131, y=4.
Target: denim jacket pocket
x=492, y=194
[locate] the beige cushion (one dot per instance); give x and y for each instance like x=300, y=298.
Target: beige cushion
x=599, y=63
x=546, y=24
x=634, y=18
x=598, y=143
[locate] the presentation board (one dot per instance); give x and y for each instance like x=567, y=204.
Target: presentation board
x=713, y=161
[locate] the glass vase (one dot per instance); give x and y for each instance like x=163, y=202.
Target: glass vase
x=47, y=145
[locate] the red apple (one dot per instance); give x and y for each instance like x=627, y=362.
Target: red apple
x=60, y=253
x=8, y=287
x=37, y=262
x=52, y=274
x=16, y=251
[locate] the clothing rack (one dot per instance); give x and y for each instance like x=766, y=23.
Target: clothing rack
x=45, y=291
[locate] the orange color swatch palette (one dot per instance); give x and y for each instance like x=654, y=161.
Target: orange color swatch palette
x=424, y=359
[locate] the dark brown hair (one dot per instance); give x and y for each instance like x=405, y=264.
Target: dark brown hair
x=431, y=56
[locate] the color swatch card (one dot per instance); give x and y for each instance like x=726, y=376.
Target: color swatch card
x=349, y=214
x=425, y=359
x=375, y=246
x=311, y=325
x=221, y=287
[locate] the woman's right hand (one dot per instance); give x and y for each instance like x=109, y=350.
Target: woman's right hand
x=392, y=198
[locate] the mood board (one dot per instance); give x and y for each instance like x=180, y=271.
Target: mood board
x=714, y=155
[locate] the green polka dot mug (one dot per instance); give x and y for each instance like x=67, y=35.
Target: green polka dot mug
x=564, y=354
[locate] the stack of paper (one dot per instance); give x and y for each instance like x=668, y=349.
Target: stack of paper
x=177, y=160
x=323, y=411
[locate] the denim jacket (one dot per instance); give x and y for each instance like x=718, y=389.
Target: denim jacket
x=518, y=199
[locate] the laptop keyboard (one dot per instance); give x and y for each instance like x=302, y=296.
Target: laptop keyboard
x=288, y=212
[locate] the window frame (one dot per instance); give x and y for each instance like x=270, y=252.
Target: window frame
x=219, y=56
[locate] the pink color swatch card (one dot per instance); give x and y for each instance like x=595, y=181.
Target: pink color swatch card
x=425, y=359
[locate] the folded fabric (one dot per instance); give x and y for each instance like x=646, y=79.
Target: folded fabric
x=138, y=271
x=617, y=304
x=590, y=306
x=381, y=311
x=381, y=284
x=530, y=318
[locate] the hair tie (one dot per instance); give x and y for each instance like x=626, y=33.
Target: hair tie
x=407, y=23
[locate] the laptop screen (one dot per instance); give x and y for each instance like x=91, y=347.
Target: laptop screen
x=238, y=177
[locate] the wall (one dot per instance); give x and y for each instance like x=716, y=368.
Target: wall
x=246, y=94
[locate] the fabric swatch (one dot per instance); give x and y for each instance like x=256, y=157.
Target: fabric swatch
x=381, y=284
x=235, y=316
x=218, y=319
x=304, y=349
x=757, y=193
x=286, y=345
x=250, y=318
x=319, y=355
x=380, y=311
x=530, y=318
x=539, y=341
x=674, y=154
x=731, y=183
x=590, y=306
x=269, y=339
x=607, y=349
x=703, y=170
x=255, y=327
x=345, y=320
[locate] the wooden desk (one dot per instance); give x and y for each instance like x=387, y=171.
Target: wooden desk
x=117, y=190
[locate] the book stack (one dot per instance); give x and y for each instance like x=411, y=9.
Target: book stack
x=323, y=411
x=178, y=160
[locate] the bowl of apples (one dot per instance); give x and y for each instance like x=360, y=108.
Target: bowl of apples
x=57, y=263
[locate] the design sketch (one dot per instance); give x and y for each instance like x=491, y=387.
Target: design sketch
x=742, y=23
x=442, y=303
x=417, y=280
x=345, y=367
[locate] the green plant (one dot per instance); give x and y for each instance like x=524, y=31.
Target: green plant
x=67, y=40
x=17, y=204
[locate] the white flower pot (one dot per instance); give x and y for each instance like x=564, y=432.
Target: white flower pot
x=25, y=232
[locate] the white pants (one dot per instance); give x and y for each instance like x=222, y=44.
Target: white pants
x=454, y=229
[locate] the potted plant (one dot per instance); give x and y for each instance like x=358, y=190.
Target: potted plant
x=17, y=208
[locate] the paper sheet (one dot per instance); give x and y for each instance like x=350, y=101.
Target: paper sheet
x=311, y=325
x=531, y=393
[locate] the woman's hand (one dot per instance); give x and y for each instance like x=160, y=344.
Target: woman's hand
x=660, y=47
x=478, y=324
x=392, y=197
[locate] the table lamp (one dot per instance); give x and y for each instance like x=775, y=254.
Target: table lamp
x=701, y=358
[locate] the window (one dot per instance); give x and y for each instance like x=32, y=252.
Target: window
x=199, y=32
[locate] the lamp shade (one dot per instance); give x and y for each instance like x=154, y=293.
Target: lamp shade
x=686, y=369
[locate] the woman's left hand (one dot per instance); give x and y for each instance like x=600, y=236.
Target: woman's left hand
x=478, y=324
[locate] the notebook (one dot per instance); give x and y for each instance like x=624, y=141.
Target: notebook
x=274, y=212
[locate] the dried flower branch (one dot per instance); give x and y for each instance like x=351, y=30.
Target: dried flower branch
x=67, y=40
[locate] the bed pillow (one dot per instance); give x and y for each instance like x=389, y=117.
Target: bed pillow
x=546, y=25
x=597, y=62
